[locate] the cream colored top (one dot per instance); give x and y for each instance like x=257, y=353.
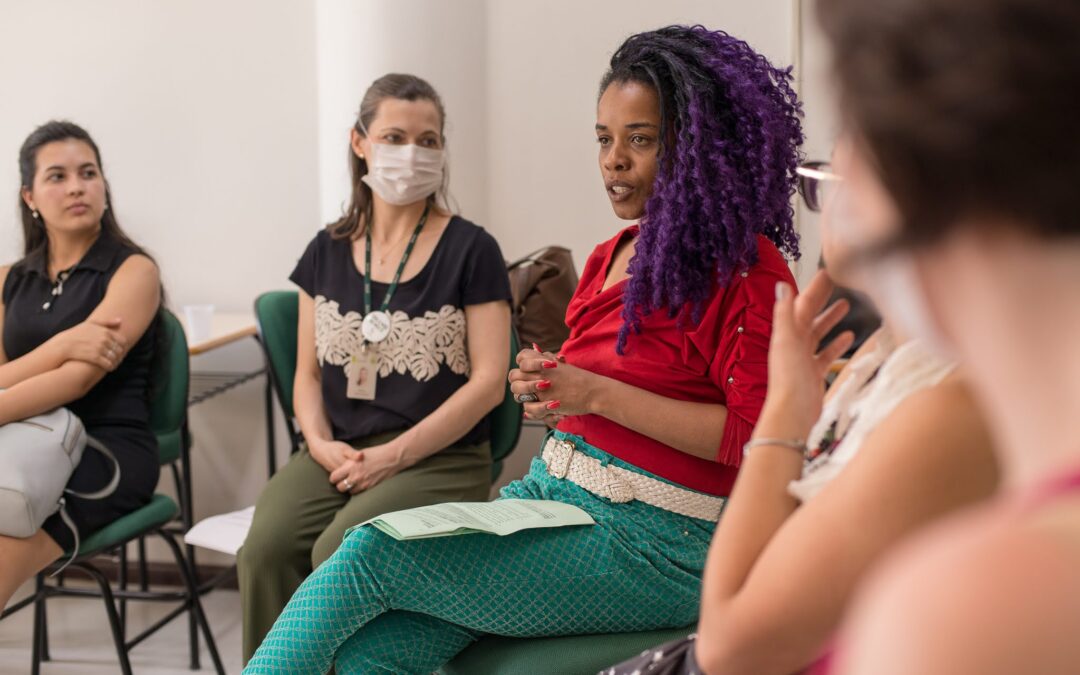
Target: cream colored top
x=862, y=402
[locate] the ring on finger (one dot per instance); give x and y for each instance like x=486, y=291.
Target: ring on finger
x=348, y=484
x=527, y=398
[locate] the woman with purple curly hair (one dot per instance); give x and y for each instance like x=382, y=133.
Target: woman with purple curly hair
x=652, y=397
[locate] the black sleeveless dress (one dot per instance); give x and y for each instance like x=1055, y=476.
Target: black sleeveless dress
x=116, y=411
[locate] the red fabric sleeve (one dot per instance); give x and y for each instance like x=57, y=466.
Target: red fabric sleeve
x=733, y=339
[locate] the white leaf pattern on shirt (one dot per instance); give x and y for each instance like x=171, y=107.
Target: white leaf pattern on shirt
x=416, y=345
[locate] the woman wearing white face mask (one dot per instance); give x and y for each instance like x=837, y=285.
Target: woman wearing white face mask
x=402, y=352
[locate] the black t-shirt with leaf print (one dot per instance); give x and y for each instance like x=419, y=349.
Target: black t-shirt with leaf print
x=424, y=360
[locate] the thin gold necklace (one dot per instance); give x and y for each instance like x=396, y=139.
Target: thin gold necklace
x=388, y=251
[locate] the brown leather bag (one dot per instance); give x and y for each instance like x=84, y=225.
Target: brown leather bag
x=542, y=284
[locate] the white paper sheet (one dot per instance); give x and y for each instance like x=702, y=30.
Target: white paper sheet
x=225, y=533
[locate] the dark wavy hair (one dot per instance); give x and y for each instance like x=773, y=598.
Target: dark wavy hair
x=729, y=145
x=35, y=238
x=968, y=108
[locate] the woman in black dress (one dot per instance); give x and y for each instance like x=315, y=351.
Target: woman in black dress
x=78, y=319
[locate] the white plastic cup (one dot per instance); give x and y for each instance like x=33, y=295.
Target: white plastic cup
x=200, y=322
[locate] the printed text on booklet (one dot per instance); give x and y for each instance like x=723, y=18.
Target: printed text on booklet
x=502, y=517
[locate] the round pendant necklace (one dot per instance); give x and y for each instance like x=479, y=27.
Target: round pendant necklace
x=375, y=326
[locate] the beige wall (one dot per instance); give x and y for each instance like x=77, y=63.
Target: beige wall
x=223, y=127
x=205, y=114
x=819, y=123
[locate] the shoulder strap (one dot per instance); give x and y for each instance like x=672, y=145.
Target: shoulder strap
x=115, y=481
x=96, y=494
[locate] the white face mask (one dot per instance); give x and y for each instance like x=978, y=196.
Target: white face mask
x=404, y=174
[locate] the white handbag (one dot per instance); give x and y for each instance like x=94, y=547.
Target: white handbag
x=37, y=458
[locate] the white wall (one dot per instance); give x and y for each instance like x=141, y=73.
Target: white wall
x=205, y=115
x=819, y=123
x=224, y=130
x=442, y=42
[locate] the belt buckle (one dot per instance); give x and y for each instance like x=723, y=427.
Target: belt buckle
x=619, y=489
x=559, y=467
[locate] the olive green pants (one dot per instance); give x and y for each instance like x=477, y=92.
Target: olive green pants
x=300, y=519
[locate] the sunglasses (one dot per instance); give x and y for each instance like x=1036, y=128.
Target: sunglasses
x=817, y=184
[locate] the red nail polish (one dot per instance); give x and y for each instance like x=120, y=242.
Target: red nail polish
x=554, y=405
x=537, y=348
x=550, y=364
x=543, y=385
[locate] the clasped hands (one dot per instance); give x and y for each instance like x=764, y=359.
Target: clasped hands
x=560, y=388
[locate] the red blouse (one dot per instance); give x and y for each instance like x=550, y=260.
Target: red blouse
x=721, y=360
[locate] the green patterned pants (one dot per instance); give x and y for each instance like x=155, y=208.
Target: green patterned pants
x=383, y=606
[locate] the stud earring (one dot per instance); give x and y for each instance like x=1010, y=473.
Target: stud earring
x=35, y=214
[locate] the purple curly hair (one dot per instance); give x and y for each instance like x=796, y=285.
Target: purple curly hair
x=729, y=145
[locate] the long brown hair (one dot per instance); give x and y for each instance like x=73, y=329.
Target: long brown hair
x=36, y=239
x=968, y=108
x=399, y=86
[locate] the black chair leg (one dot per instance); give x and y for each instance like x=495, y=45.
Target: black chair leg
x=41, y=617
x=114, y=618
x=195, y=603
x=144, y=575
x=271, y=442
x=35, y=640
x=193, y=632
x=187, y=516
x=122, y=582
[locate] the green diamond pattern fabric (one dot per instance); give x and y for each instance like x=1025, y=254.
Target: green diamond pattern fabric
x=383, y=606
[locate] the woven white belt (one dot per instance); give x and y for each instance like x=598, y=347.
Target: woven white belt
x=620, y=486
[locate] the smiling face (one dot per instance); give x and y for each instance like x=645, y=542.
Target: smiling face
x=68, y=189
x=628, y=130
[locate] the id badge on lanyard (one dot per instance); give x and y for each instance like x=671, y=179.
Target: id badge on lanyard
x=364, y=366
x=363, y=374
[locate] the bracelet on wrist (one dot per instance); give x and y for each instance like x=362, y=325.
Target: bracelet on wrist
x=794, y=444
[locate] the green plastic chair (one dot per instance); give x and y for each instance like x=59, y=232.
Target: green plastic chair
x=277, y=312
x=276, y=315
x=572, y=655
x=168, y=421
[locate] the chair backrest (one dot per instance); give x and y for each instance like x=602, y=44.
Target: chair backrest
x=276, y=314
x=169, y=381
x=506, y=418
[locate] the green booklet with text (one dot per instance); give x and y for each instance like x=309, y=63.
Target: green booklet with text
x=501, y=517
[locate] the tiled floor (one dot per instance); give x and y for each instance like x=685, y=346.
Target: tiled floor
x=81, y=643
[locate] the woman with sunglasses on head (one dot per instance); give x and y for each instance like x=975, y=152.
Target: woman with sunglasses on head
x=656, y=390
x=829, y=482
x=962, y=174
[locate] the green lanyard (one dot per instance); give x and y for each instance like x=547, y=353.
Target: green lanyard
x=400, y=269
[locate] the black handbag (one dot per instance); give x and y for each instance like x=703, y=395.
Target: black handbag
x=671, y=658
